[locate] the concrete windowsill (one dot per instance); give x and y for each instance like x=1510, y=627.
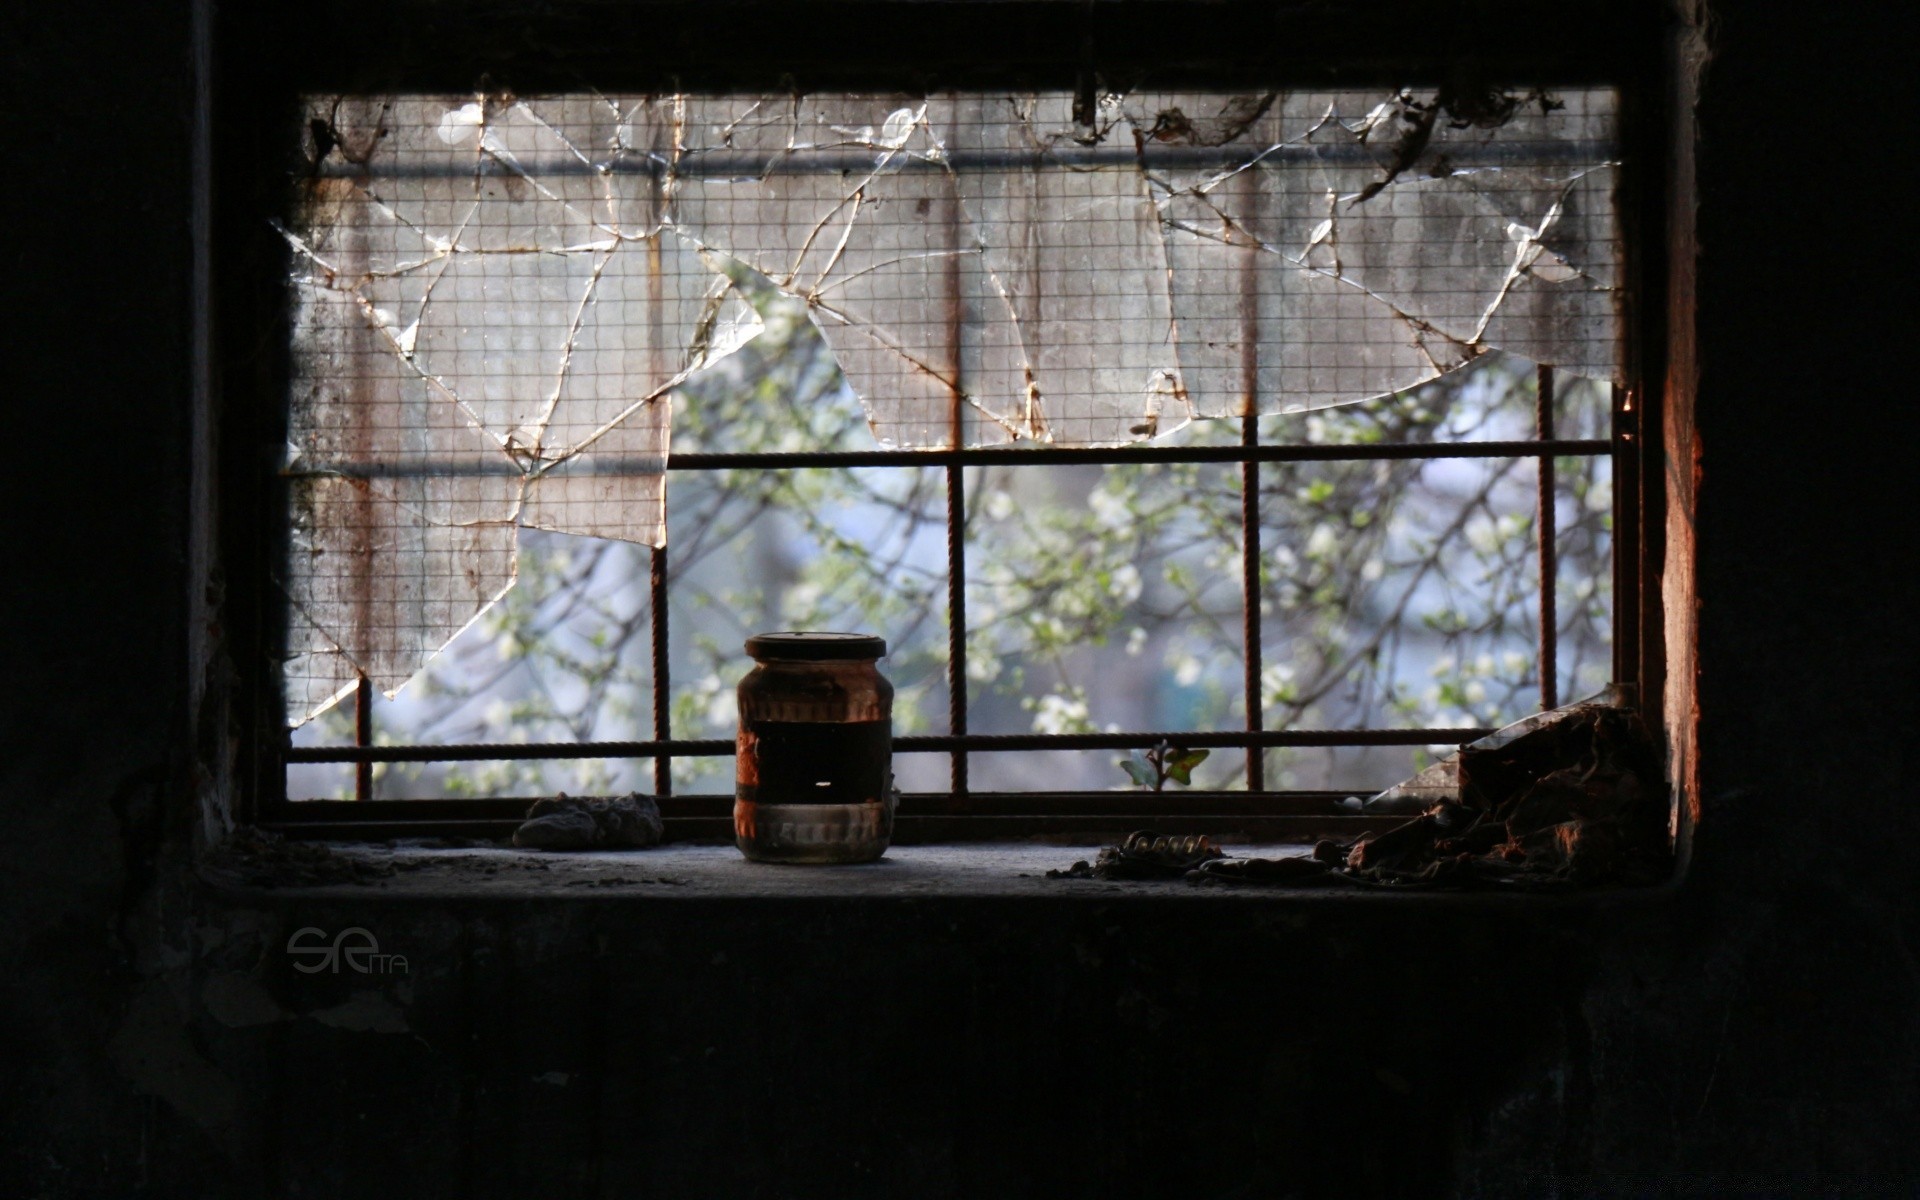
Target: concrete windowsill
x=682, y=871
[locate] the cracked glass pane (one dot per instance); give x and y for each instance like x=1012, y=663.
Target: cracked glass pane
x=486, y=335
x=495, y=296
x=1330, y=247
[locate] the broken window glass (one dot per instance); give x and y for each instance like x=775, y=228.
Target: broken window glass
x=485, y=337
x=496, y=297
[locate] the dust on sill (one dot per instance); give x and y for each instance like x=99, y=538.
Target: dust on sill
x=421, y=868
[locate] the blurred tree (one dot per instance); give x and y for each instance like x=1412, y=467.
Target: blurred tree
x=1393, y=592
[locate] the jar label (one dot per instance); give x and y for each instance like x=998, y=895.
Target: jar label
x=810, y=762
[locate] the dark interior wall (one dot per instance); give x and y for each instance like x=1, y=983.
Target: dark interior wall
x=98, y=325
x=1756, y=1027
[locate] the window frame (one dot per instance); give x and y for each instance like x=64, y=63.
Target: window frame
x=818, y=44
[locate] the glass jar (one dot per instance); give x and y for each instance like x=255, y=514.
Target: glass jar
x=813, y=770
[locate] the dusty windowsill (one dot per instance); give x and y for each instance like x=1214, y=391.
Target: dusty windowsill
x=683, y=870
x=676, y=872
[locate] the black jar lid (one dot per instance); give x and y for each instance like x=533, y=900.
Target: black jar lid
x=817, y=647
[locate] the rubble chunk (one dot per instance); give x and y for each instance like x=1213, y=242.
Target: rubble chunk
x=591, y=823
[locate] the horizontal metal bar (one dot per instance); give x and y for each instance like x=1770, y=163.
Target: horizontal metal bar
x=1039, y=455
x=907, y=831
x=913, y=744
x=975, y=456
x=485, y=466
x=914, y=804
x=729, y=165
x=1212, y=739
x=477, y=828
x=923, y=817
x=511, y=751
x=1144, y=804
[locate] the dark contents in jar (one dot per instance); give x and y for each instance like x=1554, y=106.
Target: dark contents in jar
x=806, y=762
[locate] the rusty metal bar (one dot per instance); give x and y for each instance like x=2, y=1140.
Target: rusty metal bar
x=730, y=164
x=957, y=621
x=720, y=804
x=974, y=456
x=908, y=829
x=986, y=456
x=362, y=437
x=1250, y=641
x=363, y=737
x=956, y=514
x=922, y=816
x=1549, y=558
x=1627, y=544
x=662, y=677
x=1250, y=596
x=514, y=751
x=916, y=744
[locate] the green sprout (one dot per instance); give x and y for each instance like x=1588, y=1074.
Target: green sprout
x=1162, y=763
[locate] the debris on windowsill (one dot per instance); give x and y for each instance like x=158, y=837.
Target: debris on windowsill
x=566, y=822
x=1313, y=870
x=1144, y=856
x=259, y=858
x=1439, y=782
x=1571, y=798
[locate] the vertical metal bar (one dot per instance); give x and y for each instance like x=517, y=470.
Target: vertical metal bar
x=1250, y=597
x=363, y=415
x=957, y=615
x=1251, y=651
x=363, y=736
x=956, y=516
x=1627, y=544
x=662, y=693
x=1549, y=558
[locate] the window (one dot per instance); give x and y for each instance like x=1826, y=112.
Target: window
x=1205, y=414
